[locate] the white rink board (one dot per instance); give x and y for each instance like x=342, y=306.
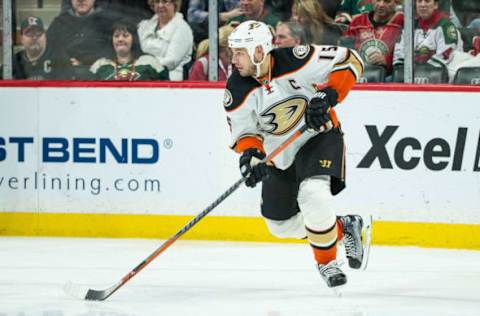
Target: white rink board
x=194, y=165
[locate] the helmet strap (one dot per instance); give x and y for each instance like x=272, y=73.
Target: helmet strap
x=259, y=64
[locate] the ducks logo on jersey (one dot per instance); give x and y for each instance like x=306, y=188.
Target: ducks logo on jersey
x=283, y=116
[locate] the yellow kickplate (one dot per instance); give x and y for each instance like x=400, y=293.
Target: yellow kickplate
x=227, y=228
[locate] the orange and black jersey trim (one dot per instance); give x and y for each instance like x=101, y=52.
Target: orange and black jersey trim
x=344, y=74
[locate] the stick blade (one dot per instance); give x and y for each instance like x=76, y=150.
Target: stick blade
x=96, y=295
x=84, y=293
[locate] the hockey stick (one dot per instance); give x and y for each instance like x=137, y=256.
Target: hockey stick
x=100, y=295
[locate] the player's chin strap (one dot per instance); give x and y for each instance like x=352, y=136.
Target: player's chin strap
x=258, y=74
x=257, y=65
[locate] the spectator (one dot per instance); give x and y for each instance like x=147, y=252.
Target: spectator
x=435, y=37
x=319, y=28
x=466, y=10
x=289, y=34
x=282, y=9
x=198, y=10
x=474, y=24
x=200, y=67
x=167, y=37
x=127, y=63
x=375, y=33
x=133, y=10
x=81, y=34
x=257, y=11
x=198, y=15
x=330, y=7
x=37, y=60
x=349, y=8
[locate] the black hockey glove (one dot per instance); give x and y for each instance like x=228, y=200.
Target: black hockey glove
x=251, y=166
x=318, y=109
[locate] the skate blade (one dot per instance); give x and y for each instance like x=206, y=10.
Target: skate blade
x=367, y=240
x=338, y=290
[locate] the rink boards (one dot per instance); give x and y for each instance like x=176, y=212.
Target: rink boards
x=140, y=161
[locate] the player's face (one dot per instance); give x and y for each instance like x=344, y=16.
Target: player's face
x=34, y=40
x=384, y=8
x=82, y=7
x=242, y=62
x=425, y=8
x=122, y=42
x=283, y=37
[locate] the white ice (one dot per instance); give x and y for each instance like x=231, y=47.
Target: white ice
x=226, y=278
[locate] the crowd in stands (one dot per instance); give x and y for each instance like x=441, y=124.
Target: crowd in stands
x=168, y=40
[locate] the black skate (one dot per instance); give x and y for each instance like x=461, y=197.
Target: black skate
x=352, y=226
x=332, y=274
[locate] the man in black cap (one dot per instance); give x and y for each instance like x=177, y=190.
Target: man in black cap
x=36, y=61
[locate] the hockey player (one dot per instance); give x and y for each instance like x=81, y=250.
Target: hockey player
x=269, y=95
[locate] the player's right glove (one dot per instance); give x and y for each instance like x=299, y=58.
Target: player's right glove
x=318, y=109
x=252, y=167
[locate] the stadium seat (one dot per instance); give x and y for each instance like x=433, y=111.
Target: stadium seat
x=423, y=73
x=373, y=73
x=397, y=73
x=428, y=74
x=467, y=75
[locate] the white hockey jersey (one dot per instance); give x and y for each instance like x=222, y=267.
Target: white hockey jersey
x=264, y=115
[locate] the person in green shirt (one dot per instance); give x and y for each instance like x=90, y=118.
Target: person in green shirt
x=127, y=62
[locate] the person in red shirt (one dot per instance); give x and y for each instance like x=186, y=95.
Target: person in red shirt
x=199, y=71
x=375, y=33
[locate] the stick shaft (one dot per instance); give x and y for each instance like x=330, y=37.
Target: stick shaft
x=102, y=295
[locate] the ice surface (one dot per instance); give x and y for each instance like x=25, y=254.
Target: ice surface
x=225, y=278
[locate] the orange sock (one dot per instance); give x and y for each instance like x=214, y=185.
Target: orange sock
x=324, y=256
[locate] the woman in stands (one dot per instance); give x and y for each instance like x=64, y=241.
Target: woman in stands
x=319, y=28
x=127, y=62
x=167, y=37
x=200, y=67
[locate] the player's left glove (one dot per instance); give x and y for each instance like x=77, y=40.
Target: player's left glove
x=318, y=109
x=252, y=167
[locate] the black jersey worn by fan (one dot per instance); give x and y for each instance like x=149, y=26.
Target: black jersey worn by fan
x=44, y=68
